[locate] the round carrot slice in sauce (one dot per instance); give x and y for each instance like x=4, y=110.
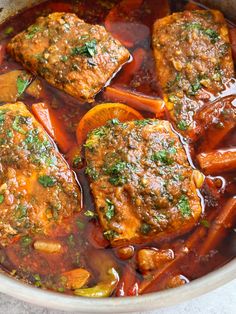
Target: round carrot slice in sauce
x=100, y=114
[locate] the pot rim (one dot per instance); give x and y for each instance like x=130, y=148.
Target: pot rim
x=151, y=301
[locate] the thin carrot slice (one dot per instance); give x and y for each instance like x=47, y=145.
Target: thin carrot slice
x=128, y=284
x=135, y=100
x=170, y=269
x=218, y=161
x=117, y=23
x=100, y=114
x=225, y=220
x=131, y=68
x=53, y=125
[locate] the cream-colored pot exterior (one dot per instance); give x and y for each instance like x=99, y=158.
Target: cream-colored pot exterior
x=147, y=302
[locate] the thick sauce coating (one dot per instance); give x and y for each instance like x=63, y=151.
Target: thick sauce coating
x=74, y=56
x=142, y=182
x=37, y=188
x=193, y=57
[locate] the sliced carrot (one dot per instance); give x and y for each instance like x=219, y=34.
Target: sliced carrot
x=232, y=36
x=131, y=68
x=53, y=125
x=135, y=100
x=128, y=284
x=218, y=161
x=120, y=23
x=100, y=114
x=60, y=7
x=221, y=111
x=162, y=275
x=218, y=229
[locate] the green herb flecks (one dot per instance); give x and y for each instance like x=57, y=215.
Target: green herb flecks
x=18, y=121
x=145, y=228
x=38, y=282
x=21, y=212
x=47, y=181
x=90, y=214
x=164, y=156
x=173, y=83
x=205, y=223
x=26, y=241
x=212, y=34
x=182, y=125
x=32, y=31
x=183, y=206
x=110, y=234
x=22, y=84
x=92, y=173
x=109, y=209
x=1, y=198
x=89, y=49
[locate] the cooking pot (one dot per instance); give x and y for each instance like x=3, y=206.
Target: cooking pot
x=150, y=301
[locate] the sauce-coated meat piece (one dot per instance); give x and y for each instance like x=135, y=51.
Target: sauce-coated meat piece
x=141, y=181
x=193, y=57
x=37, y=188
x=74, y=56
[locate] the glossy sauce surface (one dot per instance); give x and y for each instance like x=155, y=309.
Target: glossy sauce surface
x=82, y=240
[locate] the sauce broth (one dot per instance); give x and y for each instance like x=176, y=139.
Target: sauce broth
x=82, y=244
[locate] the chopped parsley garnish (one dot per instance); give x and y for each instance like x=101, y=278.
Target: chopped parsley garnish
x=183, y=206
x=76, y=161
x=110, y=234
x=17, y=122
x=21, y=212
x=212, y=34
x=192, y=25
x=26, y=241
x=182, y=125
x=205, y=223
x=173, y=82
x=1, y=198
x=64, y=58
x=145, y=228
x=32, y=31
x=38, y=282
x=89, y=49
x=109, y=209
x=47, y=181
x=90, y=214
x=163, y=156
x=91, y=172
x=22, y=84
x=116, y=172
x=142, y=122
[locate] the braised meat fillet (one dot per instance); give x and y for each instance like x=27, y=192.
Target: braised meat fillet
x=193, y=57
x=141, y=181
x=74, y=56
x=37, y=188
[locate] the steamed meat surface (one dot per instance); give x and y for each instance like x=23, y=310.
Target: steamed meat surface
x=37, y=188
x=74, y=56
x=193, y=57
x=141, y=181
